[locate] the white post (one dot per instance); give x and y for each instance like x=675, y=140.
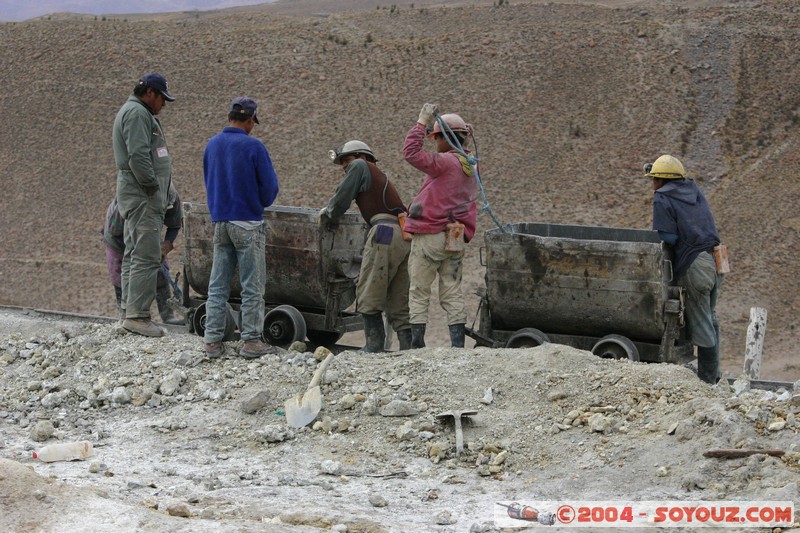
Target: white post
x=754, y=345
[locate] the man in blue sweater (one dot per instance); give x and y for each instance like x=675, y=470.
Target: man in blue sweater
x=683, y=219
x=240, y=183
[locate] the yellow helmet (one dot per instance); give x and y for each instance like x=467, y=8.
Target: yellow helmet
x=666, y=167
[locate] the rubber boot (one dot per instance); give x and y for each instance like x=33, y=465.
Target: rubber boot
x=387, y=327
x=374, y=332
x=167, y=313
x=457, y=333
x=404, y=337
x=120, y=310
x=417, y=336
x=708, y=364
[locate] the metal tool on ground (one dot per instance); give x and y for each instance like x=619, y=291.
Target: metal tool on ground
x=304, y=408
x=457, y=421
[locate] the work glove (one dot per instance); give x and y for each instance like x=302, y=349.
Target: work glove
x=427, y=113
x=166, y=247
x=150, y=190
x=324, y=219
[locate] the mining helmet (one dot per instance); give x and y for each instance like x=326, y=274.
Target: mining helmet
x=666, y=167
x=350, y=148
x=453, y=121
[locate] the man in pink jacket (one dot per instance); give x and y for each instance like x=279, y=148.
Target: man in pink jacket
x=448, y=195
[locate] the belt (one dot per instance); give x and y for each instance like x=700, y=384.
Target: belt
x=383, y=218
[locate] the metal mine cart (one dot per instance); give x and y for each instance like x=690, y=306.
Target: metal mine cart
x=606, y=290
x=311, y=275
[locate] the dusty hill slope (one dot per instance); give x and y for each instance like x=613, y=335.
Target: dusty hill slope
x=568, y=101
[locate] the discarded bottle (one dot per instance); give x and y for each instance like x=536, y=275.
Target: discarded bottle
x=65, y=451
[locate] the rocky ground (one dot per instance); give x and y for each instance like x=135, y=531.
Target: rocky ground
x=184, y=443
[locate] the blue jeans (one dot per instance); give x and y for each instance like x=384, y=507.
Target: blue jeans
x=234, y=245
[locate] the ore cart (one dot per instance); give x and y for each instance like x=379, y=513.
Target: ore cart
x=311, y=275
x=605, y=290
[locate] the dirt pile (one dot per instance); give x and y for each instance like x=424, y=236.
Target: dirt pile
x=192, y=444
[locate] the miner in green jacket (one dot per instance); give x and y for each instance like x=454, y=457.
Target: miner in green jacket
x=144, y=173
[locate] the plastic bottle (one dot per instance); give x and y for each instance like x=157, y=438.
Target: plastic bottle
x=65, y=451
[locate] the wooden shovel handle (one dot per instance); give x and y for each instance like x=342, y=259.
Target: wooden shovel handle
x=320, y=371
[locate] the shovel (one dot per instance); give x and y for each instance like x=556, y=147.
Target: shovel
x=304, y=408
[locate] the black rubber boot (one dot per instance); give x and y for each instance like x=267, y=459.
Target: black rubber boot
x=457, y=335
x=417, y=336
x=120, y=311
x=404, y=337
x=708, y=364
x=374, y=332
x=167, y=314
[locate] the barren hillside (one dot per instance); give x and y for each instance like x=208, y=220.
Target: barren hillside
x=568, y=101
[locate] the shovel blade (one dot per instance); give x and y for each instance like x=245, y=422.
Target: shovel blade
x=303, y=409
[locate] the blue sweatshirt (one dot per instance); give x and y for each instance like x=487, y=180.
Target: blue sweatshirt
x=680, y=208
x=239, y=176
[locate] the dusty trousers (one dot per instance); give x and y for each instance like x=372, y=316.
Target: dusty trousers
x=383, y=282
x=427, y=259
x=144, y=217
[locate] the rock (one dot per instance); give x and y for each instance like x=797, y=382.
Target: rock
x=405, y=432
x=42, y=431
x=54, y=399
x=298, y=346
x=399, y=408
x=274, y=433
x=172, y=382
x=777, y=424
x=488, y=397
x=741, y=385
x=684, y=430
x=598, y=423
x=348, y=401
x=321, y=353
x=256, y=403
x=120, y=396
x=189, y=359
x=437, y=451
x=556, y=395
x=330, y=467
x=376, y=500
x=179, y=509
x=500, y=458
x=445, y=518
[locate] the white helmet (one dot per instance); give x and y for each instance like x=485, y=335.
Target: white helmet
x=350, y=148
x=454, y=122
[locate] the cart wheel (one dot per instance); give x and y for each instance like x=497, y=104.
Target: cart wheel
x=323, y=338
x=527, y=338
x=616, y=347
x=283, y=326
x=199, y=323
x=199, y=320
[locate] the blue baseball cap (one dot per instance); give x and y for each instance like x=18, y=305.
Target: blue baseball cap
x=244, y=107
x=157, y=82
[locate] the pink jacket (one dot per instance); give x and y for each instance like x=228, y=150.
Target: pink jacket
x=446, y=190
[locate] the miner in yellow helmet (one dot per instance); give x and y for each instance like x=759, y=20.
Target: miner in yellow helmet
x=683, y=219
